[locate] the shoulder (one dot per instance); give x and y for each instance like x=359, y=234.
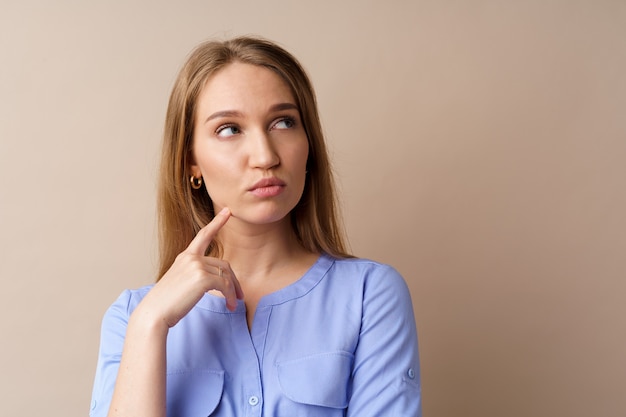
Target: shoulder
x=362, y=264
x=127, y=301
x=370, y=279
x=371, y=273
x=379, y=283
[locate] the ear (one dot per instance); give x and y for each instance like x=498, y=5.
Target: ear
x=194, y=169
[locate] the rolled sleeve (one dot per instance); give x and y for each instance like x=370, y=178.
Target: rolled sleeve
x=386, y=375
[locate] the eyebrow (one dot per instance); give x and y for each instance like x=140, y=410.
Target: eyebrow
x=235, y=113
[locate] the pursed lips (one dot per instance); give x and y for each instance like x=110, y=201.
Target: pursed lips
x=267, y=187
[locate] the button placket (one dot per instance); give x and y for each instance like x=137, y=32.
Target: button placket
x=251, y=373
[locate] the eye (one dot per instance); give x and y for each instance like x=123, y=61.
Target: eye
x=284, y=123
x=226, y=131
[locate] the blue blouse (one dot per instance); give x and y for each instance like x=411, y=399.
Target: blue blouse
x=340, y=341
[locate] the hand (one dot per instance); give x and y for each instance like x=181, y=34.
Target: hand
x=191, y=275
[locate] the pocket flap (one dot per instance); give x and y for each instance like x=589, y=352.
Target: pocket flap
x=320, y=379
x=194, y=392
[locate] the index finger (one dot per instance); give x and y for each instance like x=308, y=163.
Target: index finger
x=201, y=241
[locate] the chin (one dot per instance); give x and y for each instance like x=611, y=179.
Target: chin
x=261, y=216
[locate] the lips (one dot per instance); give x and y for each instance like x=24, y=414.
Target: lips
x=267, y=187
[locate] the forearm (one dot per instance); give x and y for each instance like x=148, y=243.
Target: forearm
x=140, y=385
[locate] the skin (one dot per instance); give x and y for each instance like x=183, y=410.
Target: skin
x=247, y=129
x=239, y=140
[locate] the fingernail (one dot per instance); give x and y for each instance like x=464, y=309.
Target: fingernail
x=223, y=211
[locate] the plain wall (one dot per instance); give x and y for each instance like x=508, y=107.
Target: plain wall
x=480, y=148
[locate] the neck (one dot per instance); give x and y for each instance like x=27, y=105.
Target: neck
x=256, y=251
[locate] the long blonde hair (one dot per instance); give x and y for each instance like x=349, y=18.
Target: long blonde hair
x=183, y=211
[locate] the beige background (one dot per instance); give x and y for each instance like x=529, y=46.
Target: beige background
x=480, y=146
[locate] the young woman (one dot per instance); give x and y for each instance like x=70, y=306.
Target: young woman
x=258, y=310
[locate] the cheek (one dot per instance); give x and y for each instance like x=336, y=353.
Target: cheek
x=220, y=189
x=301, y=154
x=213, y=161
x=218, y=178
x=217, y=173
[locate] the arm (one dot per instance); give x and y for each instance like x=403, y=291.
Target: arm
x=386, y=376
x=140, y=379
x=140, y=386
x=120, y=334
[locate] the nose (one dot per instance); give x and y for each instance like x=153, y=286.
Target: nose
x=262, y=152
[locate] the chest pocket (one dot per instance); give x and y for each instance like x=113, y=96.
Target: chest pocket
x=192, y=393
x=320, y=379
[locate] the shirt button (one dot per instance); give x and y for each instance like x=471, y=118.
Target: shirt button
x=411, y=373
x=254, y=400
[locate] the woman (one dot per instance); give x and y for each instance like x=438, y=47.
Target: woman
x=259, y=309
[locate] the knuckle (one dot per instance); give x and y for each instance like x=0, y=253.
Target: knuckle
x=196, y=264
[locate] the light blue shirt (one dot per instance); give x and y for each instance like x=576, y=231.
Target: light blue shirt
x=340, y=341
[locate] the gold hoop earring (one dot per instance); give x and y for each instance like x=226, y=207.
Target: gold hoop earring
x=196, y=183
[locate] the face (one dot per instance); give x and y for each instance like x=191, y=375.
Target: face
x=249, y=144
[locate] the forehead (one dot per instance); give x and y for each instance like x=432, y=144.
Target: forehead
x=243, y=87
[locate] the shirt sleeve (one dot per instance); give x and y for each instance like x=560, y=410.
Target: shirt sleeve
x=112, y=336
x=386, y=373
